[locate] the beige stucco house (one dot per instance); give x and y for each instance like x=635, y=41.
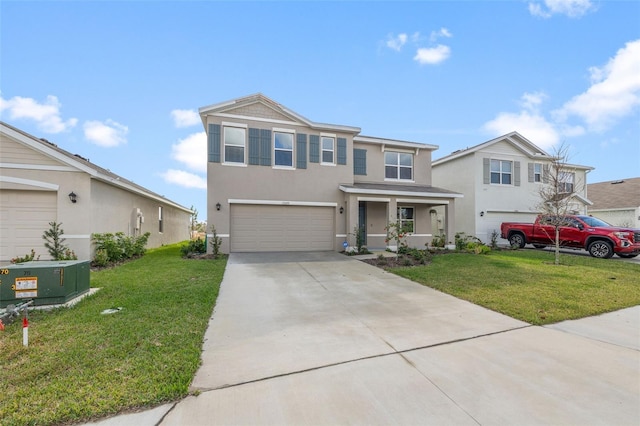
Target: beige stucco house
x=278, y=181
x=41, y=183
x=501, y=181
x=616, y=201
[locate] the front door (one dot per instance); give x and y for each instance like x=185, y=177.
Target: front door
x=362, y=221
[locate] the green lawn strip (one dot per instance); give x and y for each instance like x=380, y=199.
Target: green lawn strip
x=81, y=364
x=526, y=285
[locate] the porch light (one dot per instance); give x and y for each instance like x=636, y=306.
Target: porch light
x=481, y=214
x=341, y=209
x=218, y=205
x=73, y=197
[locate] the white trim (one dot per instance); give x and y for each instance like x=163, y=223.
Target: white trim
x=245, y=147
x=421, y=235
x=399, y=180
x=29, y=182
x=77, y=237
x=402, y=150
x=283, y=168
x=231, y=124
x=617, y=209
x=244, y=117
x=511, y=211
x=328, y=135
x=374, y=199
x=283, y=203
x=333, y=149
x=276, y=149
x=391, y=142
x=341, y=235
x=418, y=201
x=377, y=235
x=388, y=192
x=219, y=235
x=282, y=130
x=234, y=164
x=37, y=167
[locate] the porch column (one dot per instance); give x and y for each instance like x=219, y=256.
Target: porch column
x=450, y=226
x=352, y=218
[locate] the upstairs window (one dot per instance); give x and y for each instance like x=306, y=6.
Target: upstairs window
x=566, y=182
x=328, y=146
x=537, y=172
x=160, y=224
x=501, y=172
x=234, y=144
x=398, y=166
x=283, y=149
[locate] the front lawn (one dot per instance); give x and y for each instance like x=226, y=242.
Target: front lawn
x=81, y=364
x=525, y=284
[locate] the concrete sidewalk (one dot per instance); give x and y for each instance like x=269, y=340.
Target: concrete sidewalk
x=320, y=338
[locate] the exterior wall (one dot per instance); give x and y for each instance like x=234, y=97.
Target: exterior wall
x=317, y=184
x=375, y=163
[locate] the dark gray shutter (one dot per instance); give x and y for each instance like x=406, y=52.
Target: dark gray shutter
x=254, y=146
x=214, y=143
x=360, y=162
x=301, y=151
x=486, y=171
x=314, y=149
x=530, y=172
x=342, y=151
x=265, y=147
x=516, y=173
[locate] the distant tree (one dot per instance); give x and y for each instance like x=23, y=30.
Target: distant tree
x=557, y=194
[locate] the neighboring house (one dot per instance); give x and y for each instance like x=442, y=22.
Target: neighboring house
x=501, y=181
x=280, y=182
x=616, y=202
x=41, y=183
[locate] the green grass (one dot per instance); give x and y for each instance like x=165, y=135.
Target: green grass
x=526, y=285
x=81, y=364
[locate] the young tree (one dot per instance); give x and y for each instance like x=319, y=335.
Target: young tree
x=55, y=243
x=557, y=194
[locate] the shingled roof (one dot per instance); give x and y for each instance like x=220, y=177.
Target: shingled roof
x=615, y=194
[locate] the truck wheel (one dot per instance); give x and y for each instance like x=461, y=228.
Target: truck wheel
x=516, y=240
x=600, y=249
x=539, y=246
x=627, y=256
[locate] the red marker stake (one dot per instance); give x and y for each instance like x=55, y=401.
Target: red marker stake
x=25, y=331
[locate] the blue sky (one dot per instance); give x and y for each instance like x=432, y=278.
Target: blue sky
x=120, y=82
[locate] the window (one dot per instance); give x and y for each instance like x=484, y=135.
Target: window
x=501, y=172
x=398, y=165
x=283, y=149
x=405, y=218
x=565, y=182
x=160, y=227
x=327, y=149
x=234, y=142
x=537, y=172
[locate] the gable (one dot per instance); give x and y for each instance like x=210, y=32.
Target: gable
x=258, y=110
x=14, y=152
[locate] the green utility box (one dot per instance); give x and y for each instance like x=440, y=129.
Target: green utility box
x=47, y=282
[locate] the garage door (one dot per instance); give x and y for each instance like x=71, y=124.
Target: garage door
x=281, y=228
x=24, y=216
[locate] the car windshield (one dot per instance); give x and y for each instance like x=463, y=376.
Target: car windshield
x=594, y=221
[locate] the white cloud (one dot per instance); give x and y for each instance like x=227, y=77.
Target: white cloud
x=46, y=114
x=396, y=42
x=571, y=8
x=432, y=55
x=192, y=151
x=530, y=125
x=185, y=117
x=614, y=91
x=185, y=179
x=442, y=32
x=532, y=101
x=107, y=134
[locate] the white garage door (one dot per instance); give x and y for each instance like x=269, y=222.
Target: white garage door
x=281, y=228
x=24, y=216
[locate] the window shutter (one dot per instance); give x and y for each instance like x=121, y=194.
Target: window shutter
x=301, y=151
x=314, y=149
x=486, y=171
x=265, y=147
x=214, y=143
x=360, y=162
x=516, y=173
x=254, y=146
x=342, y=151
x=530, y=172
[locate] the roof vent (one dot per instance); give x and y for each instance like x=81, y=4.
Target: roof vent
x=616, y=182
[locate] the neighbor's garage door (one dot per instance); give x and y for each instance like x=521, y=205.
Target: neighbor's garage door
x=24, y=216
x=281, y=228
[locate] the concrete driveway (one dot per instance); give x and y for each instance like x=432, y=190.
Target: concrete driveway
x=323, y=339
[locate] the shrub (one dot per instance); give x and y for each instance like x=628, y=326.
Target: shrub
x=193, y=247
x=102, y=258
x=26, y=258
x=215, y=242
x=439, y=241
x=119, y=246
x=55, y=243
x=494, y=239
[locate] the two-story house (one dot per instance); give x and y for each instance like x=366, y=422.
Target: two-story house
x=501, y=181
x=278, y=181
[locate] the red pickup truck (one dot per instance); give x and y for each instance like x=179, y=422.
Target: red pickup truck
x=584, y=232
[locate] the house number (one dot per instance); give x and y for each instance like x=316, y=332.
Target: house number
x=4, y=272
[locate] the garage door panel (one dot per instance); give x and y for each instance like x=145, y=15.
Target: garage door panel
x=281, y=228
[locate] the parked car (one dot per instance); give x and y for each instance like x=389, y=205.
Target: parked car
x=596, y=236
